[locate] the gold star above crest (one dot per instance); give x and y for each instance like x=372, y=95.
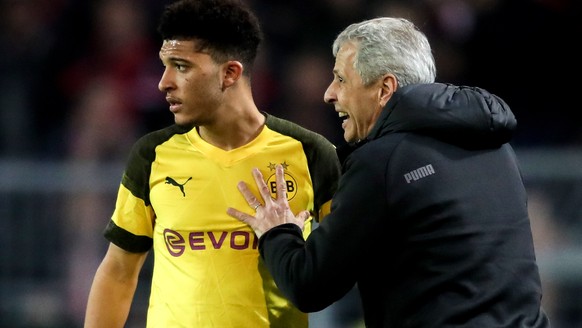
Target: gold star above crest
x=272, y=166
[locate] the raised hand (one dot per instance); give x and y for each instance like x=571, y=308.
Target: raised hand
x=273, y=212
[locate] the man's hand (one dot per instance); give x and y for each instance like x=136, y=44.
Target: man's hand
x=274, y=212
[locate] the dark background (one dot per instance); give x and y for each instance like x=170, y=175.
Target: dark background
x=78, y=85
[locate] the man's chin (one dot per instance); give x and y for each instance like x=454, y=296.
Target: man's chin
x=349, y=138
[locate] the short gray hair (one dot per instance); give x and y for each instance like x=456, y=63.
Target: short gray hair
x=389, y=45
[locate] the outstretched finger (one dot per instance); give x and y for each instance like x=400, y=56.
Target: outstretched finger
x=261, y=185
x=241, y=216
x=248, y=195
x=281, y=184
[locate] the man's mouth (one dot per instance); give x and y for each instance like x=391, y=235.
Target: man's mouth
x=174, y=104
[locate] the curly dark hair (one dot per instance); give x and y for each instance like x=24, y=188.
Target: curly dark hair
x=226, y=29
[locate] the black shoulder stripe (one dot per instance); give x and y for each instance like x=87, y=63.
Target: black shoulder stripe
x=137, y=173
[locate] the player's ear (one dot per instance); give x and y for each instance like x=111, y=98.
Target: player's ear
x=232, y=72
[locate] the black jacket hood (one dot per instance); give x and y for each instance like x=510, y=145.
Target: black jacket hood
x=469, y=117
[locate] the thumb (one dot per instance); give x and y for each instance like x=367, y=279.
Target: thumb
x=300, y=218
x=304, y=215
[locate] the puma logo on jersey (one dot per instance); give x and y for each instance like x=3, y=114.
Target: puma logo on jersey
x=419, y=173
x=179, y=185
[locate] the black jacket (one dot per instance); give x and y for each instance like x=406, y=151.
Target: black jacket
x=430, y=220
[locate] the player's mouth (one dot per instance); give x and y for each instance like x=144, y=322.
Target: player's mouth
x=175, y=104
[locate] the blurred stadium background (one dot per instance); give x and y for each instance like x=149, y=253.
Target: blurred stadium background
x=78, y=85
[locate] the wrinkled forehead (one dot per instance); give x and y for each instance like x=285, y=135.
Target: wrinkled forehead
x=169, y=46
x=347, y=54
x=184, y=51
x=171, y=43
x=182, y=47
x=187, y=47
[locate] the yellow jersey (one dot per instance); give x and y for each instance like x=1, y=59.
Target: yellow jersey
x=173, y=197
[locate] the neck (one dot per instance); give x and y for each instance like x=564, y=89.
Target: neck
x=235, y=132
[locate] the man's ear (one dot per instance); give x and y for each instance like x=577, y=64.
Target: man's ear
x=387, y=89
x=233, y=71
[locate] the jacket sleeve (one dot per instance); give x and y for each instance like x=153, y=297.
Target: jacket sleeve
x=319, y=271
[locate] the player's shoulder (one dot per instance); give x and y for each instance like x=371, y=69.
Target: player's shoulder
x=145, y=146
x=154, y=138
x=295, y=131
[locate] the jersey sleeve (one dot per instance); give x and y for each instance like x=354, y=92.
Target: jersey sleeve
x=132, y=222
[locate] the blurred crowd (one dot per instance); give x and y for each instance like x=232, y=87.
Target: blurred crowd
x=78, y=81
x=73, y=69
